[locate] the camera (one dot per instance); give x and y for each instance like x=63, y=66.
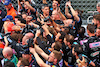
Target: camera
x=29, y=44
x=71, y=30
x=25, y=48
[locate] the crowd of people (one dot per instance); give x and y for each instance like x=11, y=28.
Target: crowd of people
x=32, y=37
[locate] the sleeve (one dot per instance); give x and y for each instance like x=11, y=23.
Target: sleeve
x=86, y=49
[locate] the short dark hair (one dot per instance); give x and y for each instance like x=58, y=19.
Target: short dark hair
x=58, y=1
x=57, y=46
x=9, y=64
x=44, y=5
x=79, y=12
x=69, y=38
x=97, y=17
x=81, y=30
x=78, y=49
x=57, y=55
x=24, y=62
x=62, y=35
x=17, y=37
x=91, y=28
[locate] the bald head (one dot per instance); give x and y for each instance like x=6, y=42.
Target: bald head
x=68, y=22
x=7, y=51
x=26, y=37
x=55, y=15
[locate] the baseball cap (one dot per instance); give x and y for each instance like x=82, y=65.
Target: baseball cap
x=18, y=16
x=8, y=17
x=7, y=2
x=25, y=51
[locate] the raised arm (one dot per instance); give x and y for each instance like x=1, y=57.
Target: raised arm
x=29, y=6
x=44, y=1
x=41, y=52
x=75, y=15
x=6, y=41
x=38, y=59
x=62, y=17
x=66, y=10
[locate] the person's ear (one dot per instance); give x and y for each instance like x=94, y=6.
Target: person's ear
x=42, y=10
x=88, y=31
x=68, y=43
x=55, y=60
x=98, y=22
x=75, y=53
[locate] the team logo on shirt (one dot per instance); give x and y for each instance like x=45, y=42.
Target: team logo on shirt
x=94, y=45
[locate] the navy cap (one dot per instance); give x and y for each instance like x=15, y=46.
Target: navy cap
x=25, y=51
x=7, y=2
x=8, y=17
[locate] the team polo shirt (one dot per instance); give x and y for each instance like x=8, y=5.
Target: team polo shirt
x=12, y=12
x=13, y=59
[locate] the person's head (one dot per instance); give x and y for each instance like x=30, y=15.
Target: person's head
x=68, y=40
x=17, y=17
x=96, y=19
x=17, y=37
x=28, y=18
x=77, y=49
x=8, y=4
x=98, y=31
x=8, y=18
x=55, y=57
x=81, y=31
x=26, y=54
x=55, y=15
x=7, y=52
x=24, y=15
x=56, y=46
x=26, y=37
x=23, y=62
x=98, y=7
x=68, y=22
x=78, y=12
x=55, y=4
x=90, y=29
x=45, y=9
x=9, y=64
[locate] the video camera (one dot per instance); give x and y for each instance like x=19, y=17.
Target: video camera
x=72, y=31
x=25, y=48
x=29, y=44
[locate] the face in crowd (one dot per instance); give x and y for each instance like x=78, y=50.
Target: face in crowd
x=8, y=7
x=46, y=10
x=55, y=4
